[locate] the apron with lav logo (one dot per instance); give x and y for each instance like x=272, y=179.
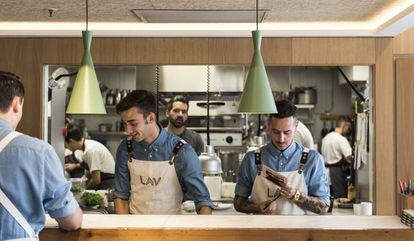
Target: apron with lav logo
x=155, y=188
x=263, y=189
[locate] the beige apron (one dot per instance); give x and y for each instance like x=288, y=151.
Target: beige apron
x=263, y=189
x=155, y=188
x=9, y=206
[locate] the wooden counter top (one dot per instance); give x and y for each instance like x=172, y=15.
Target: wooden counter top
x=226, y=227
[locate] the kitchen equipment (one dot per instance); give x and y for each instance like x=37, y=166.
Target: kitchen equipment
x=110, y=97
x=230, y=164
x=258, y=141
x=105, y=127
x=124, y=93
x=118, y=96
x=77, y=187
x=210, y=162
x=211, y=168
x=305, y=95
x=227, y=189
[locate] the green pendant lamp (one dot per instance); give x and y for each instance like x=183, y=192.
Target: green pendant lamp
x=86, y=97
x=257, y=96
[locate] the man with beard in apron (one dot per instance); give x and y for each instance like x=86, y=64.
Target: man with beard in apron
x=31, y=174
x=155, y=170
x=302, y=187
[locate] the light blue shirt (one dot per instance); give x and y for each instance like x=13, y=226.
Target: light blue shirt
x=286, y=161
x=187, y=167
x=31, y=176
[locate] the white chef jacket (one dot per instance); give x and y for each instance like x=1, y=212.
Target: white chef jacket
x=335, y=147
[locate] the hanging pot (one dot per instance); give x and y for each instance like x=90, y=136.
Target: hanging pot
x=305, y=95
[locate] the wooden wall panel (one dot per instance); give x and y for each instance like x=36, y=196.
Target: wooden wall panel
x=275, y=51
x=403, y=43
x=167, y=51
x=109, y=51
x=22, y=57
x=237, y=51
x=62, y=51
x=333, y=51
x=384, y=163
x=404, y=117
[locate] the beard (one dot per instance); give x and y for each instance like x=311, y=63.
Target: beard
x=178, y=122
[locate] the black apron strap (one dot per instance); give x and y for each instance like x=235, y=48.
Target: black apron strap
x=303, y=160
x=130, y=150
x=258, y=161
x=177, y=148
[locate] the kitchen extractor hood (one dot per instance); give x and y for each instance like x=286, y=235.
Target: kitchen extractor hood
x=357, y=73
x=190, y=78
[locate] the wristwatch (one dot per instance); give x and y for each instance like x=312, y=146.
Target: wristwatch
x=296, y=196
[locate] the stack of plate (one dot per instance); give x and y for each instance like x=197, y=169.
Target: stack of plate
x=407, y=217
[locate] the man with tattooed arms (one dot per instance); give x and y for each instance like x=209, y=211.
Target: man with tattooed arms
x=283, y=177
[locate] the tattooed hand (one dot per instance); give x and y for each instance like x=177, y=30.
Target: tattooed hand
x=313, y=204
x=287, y=191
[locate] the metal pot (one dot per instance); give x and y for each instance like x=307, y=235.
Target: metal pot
x=210, y=162
x=305, y=95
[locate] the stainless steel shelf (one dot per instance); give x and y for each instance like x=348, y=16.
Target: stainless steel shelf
x=299, y=106
x=216, y=129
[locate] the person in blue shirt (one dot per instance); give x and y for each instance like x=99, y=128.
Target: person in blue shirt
x=155, y=170
x=282, y=177
x=31, y=175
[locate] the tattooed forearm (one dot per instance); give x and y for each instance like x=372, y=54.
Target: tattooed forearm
x=241, y=204
x=313, y=204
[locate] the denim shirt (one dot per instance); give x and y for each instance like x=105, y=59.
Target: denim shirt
x=31, y=176
x=286, y=161
x=187, y=167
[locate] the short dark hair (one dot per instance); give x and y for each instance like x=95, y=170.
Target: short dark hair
x=177, y=98
x=342, y=120
x=285, y=108
x=142, y=99
x=10, y=86
x=74, y=133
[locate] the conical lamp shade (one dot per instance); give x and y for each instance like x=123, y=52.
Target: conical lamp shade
x=86, y=97
x=257, y=97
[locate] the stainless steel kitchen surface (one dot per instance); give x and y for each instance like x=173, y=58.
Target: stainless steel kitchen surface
x=320, y=94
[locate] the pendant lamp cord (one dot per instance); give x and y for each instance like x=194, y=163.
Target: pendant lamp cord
x=257, y=15
x=208, y=104
x=87, y=15
x=157, y=89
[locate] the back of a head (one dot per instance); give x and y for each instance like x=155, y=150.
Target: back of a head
x=342, y=121
x=73, y=133
x=178, y=98
x=285, y=109
x=10, y=87
x=142, y=99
